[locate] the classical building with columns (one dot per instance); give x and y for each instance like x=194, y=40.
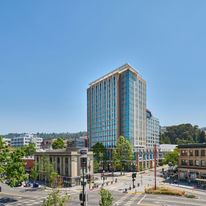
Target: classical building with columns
x=67, y=163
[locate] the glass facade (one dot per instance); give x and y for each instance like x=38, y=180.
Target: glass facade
x=116, y=105
x=153, y=133
x=102, y=112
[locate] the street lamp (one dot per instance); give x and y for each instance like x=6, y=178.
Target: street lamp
x=89, y=167
x=83, y=160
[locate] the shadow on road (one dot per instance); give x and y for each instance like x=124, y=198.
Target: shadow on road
x=7, y=200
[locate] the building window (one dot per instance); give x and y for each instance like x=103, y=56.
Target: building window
x=203, y=163
x=191, y=152
x=202, y=153
x=197, y=162
x=184, y=162
x=196, y=153
x=183, y=152
x=191, y=162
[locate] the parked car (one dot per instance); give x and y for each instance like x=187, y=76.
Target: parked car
x=35, y=185
x=27, y=184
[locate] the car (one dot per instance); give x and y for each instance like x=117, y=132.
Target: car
x=27, y=184
x=35, y=185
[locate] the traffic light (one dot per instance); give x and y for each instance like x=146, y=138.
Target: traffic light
x=134, y=175
x=83, y=183
x=133, y=178
x=82, y=197
x=88, y=177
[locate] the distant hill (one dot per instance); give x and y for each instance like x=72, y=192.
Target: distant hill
x=51, y=135
x=182, y=134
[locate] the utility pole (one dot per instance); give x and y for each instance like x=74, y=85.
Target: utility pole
x=155, y=166
x=83, y=189
x=83, y=160
x=133, y=178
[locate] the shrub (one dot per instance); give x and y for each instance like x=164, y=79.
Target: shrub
x=190, y=196
x=165, y=191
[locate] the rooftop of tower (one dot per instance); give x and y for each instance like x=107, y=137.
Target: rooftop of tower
x=118, y=70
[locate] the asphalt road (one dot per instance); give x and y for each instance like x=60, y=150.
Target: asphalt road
x=22, y=197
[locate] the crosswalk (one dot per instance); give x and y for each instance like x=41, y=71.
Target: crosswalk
x=31, y=201
x=26, y=202
x=117, y=187
x=128, y=200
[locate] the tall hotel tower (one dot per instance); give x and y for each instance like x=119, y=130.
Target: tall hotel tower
x=116, y=105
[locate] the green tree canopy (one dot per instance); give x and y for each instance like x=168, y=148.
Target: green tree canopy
x=12, y=166
x=106, y=198
x=29, y=149
x=172, y=157
x=58, y=143
x=55, y=198
x=180, y=134
x=15, y=168
x=122, y=155
x=202, y=137
x=99, y=151
x=46, y=169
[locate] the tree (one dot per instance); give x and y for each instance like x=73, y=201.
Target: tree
x=172, y=157
x=29, y=149
x=4, y=156
x=96, y=166
x=12, y=166
x=99, y=152
x=2, y=143
x=46, y=170
x=106, y=198
x=52, y=178
x=58, y=143
x=202, y=137
x=56, y=199
x=15, y=168
x=34, y=173
x=122, y=155
x=180, y=134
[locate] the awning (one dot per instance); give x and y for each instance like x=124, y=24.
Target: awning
x=200, y=180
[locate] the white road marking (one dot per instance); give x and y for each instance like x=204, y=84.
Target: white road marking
x=141, y=200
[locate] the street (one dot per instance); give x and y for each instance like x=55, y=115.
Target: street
x=136, y=196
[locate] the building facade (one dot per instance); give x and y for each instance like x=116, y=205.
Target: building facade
x=79, y=142
x=192, y=162
x=25, y=140
x=116, y=105
x=7, y=141
x=67, y=163
x=152, y=139
x=153, y=131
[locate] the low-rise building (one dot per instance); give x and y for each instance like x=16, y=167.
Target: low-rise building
x=192, y=162
x=79, y=142
x=47, y=144
x=7, y=141
x=67, y=163
x=25, y=139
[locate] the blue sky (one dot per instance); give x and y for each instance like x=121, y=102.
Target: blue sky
x=51, y=50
